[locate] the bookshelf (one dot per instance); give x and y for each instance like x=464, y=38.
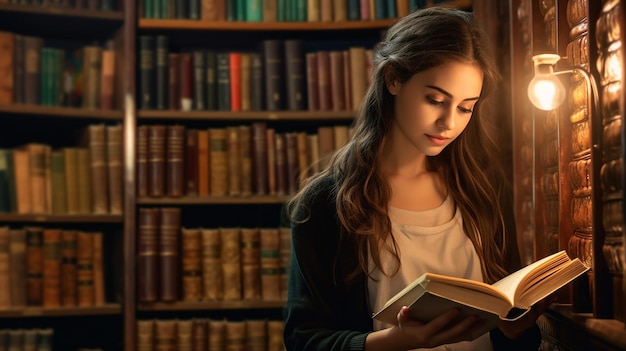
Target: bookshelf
x=45, y=119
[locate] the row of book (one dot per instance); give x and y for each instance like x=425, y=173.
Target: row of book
x=280, y=76
x=38, y=339
x=50, y=268
x=42, y=75
x=94, y=5
x=243, y=160
x=35, y=178
x=210, y=334
x=282, y=10
x=209, y=264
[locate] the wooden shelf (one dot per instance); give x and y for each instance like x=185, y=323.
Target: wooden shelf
x=247, y=115
x=59, y=22
x=60, y=218
x=213, y=200
x=209, y=305
x=175, y=24
x=53, y=111
x=108, y=309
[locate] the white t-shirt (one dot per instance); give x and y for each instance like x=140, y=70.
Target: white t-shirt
x=429, y=241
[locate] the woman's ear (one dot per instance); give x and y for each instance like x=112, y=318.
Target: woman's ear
x=390, y=81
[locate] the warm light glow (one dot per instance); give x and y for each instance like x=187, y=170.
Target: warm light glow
x=546, y=92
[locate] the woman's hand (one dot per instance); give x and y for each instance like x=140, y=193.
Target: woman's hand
x=514, y=329
x=449, y=327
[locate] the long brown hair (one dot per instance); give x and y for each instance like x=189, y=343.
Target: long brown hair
x=420, y=41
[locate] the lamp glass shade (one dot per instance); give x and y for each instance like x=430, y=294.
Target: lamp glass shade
x=546, y=92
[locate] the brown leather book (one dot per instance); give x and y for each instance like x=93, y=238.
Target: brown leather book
x=169, y=254
x=282, y=188
x=211, y=264
x=284, y=250
x=313, y=11
x=302, y=152
x=271, y=160
x=98, y=269
x=245, y=158
x=37, y=168
x=208, y=10
x=259, y=157
x=174, y=79
x=357, y=75
x=337, y=94
x=186, y=80
x=21, y=168
x=84, y=269
x=313, y=99
x=17, y=262
x=218, y=161
x=142, y=161
x=217, y=335
x=147, y=249
x=69, y=268
x=199, y=331
x=156, y=160
x=114, y=168
x=323, y=81
x=342, y=136
x=291, y=148
x=34, y=266
x=295, y=75
x=32, y=71
x=175, y=161
x=231, y=263
x=246, y=81
x=92, y=71
x=347, y=82
x=145, y=335
x=270, y=264
x=52, y=267
x=165, y=335
x=203, y=162
x=5, y=259
x=275, y=329
x=107, y=79
x=236, y=335
x=270, y=10
x=184, y=335
x=191, y=264
x=97, y=144
x=250, y=264
x=273, y=62
x=191, y=162
x=234, y=162
x=340, y=11
x=326, y=139
x=314, y=155
x=256, y=334
x=84, y=181
x=7, y=47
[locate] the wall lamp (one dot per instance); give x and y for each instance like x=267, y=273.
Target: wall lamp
x=546, y=91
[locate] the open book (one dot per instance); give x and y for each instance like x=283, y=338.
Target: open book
x=509, y=298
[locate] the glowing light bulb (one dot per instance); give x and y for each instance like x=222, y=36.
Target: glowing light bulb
x=546, y=92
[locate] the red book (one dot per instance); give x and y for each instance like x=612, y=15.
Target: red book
x=235, y=81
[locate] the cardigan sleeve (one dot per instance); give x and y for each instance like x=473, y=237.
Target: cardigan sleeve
x=323, y=312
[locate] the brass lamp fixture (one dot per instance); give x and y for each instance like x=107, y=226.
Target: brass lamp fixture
x=545, y=90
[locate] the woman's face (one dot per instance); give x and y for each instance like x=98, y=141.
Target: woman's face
x=434, y=106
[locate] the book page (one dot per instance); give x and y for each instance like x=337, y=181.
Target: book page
x=533, y=272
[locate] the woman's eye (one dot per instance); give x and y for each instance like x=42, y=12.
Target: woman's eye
x=434, y=101
x=465, y=110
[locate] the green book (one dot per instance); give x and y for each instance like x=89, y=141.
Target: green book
x=59, y=195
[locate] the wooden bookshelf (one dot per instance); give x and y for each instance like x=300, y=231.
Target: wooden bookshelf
x=108, y=309
x=213, y=200
x=59, y=218
x=54, y=111
x=247, y=115
x=161, y=24
x=210, y=305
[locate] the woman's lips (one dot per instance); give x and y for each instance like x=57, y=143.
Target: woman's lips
x=438, y=139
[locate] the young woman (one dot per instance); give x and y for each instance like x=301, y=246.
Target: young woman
x=417, y=189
